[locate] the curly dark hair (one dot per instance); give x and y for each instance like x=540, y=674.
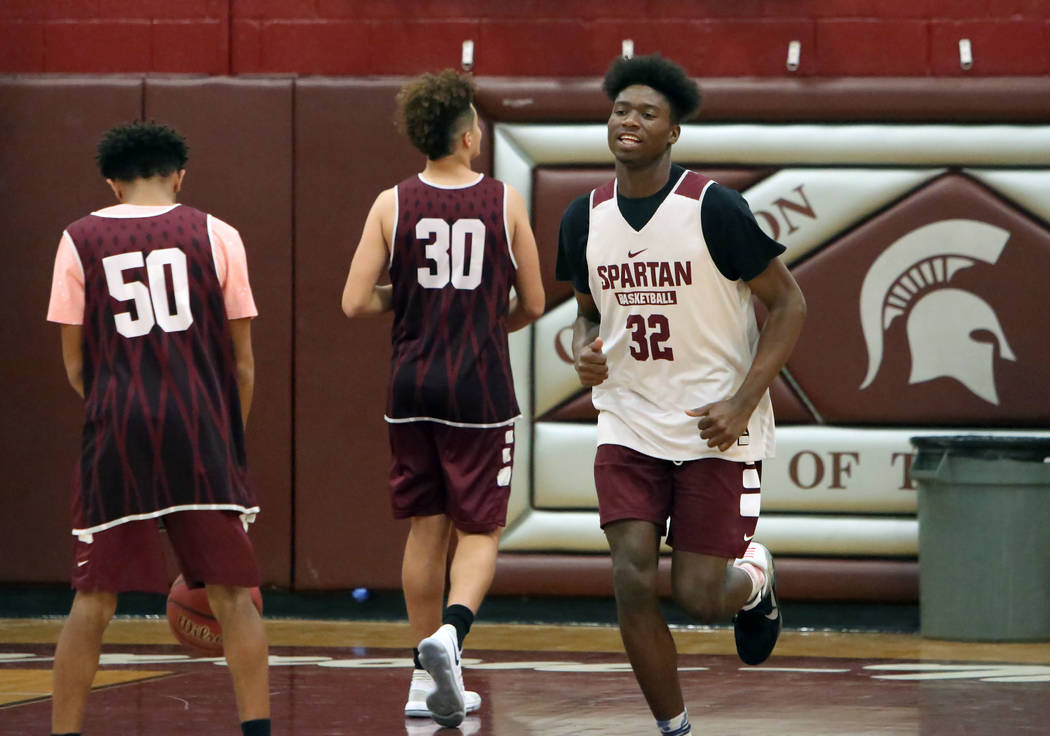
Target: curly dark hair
x=433, y=108
x=141, y=150
x=663, y=75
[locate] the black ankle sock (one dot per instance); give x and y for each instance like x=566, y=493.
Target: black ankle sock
x=415, y=658
x=461, y=617
x=258, y=727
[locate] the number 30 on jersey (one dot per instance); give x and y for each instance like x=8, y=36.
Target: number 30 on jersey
x=446, y=249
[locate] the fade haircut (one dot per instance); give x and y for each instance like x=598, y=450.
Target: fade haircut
x=141, y=150
x=433, y=108
x=663, y=75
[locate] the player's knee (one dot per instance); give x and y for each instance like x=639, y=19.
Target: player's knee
x=631, y=581
x=95, y=608
x=227, y=600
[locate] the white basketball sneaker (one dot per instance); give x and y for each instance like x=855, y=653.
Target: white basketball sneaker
x=439, y=655
x=422, y=685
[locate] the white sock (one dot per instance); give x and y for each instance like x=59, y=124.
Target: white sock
x=677, y=726
x=758, y=581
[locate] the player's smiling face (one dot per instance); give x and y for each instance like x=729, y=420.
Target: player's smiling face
x=640, y=128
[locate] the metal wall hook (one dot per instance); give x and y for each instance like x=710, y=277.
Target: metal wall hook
x=965, y=54
x=467, y=59
x=794, y=54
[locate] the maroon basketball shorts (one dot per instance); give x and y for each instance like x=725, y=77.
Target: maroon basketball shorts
x=712, y=503
x=462, y=472
x=210, y=547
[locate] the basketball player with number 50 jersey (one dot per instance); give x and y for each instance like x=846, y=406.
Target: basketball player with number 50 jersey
x=455, y=242
x=155, y=308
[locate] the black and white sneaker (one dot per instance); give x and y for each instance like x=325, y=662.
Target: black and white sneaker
x=756, y=629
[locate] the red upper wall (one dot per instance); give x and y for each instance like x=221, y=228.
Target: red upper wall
x=711, y=38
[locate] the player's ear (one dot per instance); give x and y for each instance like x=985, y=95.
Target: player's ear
x=115, y=186
x=676, y=130
x=178, y=180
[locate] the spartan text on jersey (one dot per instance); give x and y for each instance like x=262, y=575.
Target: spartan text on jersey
x=645, y=274
x=642, y=274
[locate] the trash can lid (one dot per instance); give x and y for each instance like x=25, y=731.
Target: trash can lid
x=987, y=447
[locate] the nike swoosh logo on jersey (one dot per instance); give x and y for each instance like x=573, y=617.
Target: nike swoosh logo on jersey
x=632, y=254
x=748, y=538
x=82, y=563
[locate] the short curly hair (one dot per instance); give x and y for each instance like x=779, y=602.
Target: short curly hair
x=663, y=75
x=433, y=108
x=141, y=150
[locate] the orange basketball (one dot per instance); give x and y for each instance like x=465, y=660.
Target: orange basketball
x=192, y=622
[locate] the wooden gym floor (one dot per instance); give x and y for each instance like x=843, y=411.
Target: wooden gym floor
x=341, y=678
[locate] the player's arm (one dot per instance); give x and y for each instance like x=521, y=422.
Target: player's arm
x=244, y=359
x=723, y=422
x=362, y=294
x=529, y=300
x=73, y=356
x=587, y=355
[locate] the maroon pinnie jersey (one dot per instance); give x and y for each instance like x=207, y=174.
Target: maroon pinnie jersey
x=451, y=268
x=162, y=428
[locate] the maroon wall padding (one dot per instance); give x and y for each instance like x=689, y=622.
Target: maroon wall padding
x=798, y=578
x=240, y=170
x=50, y=129
x=787, y=407
x=1013, y=288
x=362, y=37
x=347, y=151
x=845, y=99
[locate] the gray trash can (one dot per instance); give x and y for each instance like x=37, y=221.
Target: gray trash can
x=984, y=537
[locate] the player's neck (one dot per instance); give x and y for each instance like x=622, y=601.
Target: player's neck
x=643, y=180
x=147, y=201
x=147, y=196
x=450, y=171
x=156, y=191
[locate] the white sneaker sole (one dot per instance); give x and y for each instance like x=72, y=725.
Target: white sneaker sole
x=446, y=702
x=418, y=708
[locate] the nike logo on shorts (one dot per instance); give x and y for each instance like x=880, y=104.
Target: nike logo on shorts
x=748, y=538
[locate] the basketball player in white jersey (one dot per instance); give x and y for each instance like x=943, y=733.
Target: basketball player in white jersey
x=664, y=263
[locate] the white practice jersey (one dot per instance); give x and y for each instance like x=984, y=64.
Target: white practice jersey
x=677, y=334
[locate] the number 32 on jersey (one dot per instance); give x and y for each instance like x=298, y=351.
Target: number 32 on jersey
x=648, y=336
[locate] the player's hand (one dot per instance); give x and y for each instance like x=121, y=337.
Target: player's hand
x=721, y=423
x=591, y=365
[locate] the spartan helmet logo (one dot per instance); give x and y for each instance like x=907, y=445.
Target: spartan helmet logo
x=941, y=321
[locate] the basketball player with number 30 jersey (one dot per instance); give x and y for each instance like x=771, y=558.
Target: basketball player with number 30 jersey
x=155, y=307
x=664, y=263
x=454, y=242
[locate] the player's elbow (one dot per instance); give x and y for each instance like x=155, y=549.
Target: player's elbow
x=245, y=371
x=352, y=307
x=533, y=303
x=533, y=309
x=75, y=374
